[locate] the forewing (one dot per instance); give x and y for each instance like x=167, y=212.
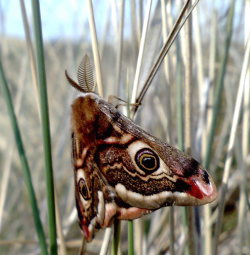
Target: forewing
x=148, y=173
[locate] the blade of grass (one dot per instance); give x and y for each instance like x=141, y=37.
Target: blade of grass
x=172, y=230
x=106, y=240
x=217, y=100
x=198, y=49
x=207, y=249
x=164, y=50
x=95, y=48
x=116, y=240
x=229, y=158
x=136, y=33
x=216, y=106
x=62, y=244
x=219, y=86
x=141, y=51
x=167, y=71
x=119, y=46
x=45, y=125
x=187, y=61
x=212, y=55
x=5, y=180
x=138, y=233
x=180, y=113
x=30, y=50
x=179, y=95
x=158, y=222
x=24, y=162
x=130, y=238
x=243, y=230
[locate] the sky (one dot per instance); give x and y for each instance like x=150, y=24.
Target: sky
x=69, y=18
x=60, y=18
x=55, y=14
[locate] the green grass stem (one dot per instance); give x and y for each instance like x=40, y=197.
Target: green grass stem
x=24, y=162
x=45, y=125
x=117, y=235
x=130, y=237
x=216, y=108
x=180, y=114
x=232, y=138
x=219, y=86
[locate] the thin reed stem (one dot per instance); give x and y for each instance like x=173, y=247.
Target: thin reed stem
x=219, y=86
x=45, y=125
x=116, y=239
x=187, y=60
x=167, y=75
x=172, y=230
x=30, y=51
x=24, y=163
x=8, y=161
x=130, y=237
x=243, y=229
x=164, y=50
x=217, y=102
x=207, y=208
x=141, y=51
x=95, y=48
x=229, y=158
x=106, y=241
x=120, y=46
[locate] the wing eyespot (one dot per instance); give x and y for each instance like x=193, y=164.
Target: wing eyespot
x=147, y=160
x=83, y=189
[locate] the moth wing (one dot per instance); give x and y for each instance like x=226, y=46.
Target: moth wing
x=148, y=173
x=94, y=199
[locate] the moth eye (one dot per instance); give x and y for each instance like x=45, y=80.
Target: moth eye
x=83, y=189
x=147, y=160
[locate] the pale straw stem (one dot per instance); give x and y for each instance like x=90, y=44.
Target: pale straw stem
x=141, y=51
x=95, y=48
x=229, y=157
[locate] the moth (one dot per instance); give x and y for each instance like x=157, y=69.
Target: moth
x=122, y=171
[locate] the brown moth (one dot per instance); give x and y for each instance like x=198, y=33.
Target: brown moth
x=122, y=171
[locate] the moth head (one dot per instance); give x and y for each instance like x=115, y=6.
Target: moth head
x=157, y=175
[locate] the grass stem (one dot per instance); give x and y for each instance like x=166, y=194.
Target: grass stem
x=45, y=125
x=229, y=158
x=95, y=47
x=24, y=163
x=116, y=239
x=130, y=237
x=219, y=87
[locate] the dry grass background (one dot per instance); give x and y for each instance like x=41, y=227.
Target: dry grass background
x=161, y=113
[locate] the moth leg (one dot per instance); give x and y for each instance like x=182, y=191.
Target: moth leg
x=113, y=100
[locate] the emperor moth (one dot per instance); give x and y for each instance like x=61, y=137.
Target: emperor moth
x=122, y=171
